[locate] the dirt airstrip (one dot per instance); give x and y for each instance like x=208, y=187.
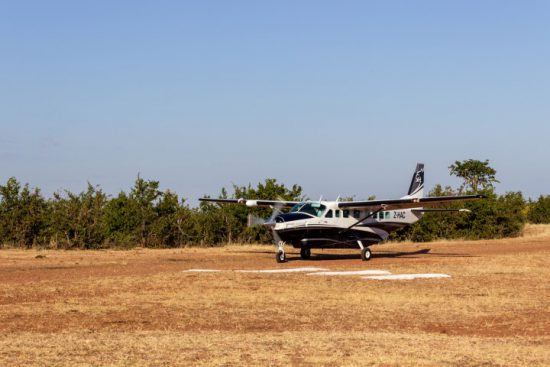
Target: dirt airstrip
x=141, y=307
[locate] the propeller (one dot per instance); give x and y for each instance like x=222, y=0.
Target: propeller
x=254, y=220
x=276, y=237
x=270, y=222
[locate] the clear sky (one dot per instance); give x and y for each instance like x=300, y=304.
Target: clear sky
x=342, y=97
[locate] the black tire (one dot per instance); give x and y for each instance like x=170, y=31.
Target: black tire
x=366, y=254
x=280, y=257
x=305, y=253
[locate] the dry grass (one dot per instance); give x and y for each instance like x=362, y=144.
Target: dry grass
x=139, y=308
x=536, y=230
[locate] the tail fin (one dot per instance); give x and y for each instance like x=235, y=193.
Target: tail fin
x=416, y=190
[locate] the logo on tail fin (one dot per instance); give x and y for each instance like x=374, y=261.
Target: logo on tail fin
x=417, y=183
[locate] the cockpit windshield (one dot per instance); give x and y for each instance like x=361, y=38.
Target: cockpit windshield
x=315, y=209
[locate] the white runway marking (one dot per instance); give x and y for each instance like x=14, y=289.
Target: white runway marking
x=202, y=271
x=275, y=271
x=407, y=276
x=370, y=274
x=352, y=272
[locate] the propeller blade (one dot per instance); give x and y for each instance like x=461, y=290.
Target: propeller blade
x=276, y=211
x=276, y=237
x=254, y=220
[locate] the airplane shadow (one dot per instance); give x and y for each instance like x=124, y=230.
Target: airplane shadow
x=423, y=253
x=322, y=256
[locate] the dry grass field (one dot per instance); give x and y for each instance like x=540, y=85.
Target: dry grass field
x=140, y=307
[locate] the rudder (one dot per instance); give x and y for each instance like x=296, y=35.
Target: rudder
x=416, y=189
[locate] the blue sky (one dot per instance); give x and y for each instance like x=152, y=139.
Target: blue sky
x=342, y=97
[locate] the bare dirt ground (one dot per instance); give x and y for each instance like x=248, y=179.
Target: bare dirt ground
x=140, y=307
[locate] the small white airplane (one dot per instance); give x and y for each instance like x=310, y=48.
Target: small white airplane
x=345, y=224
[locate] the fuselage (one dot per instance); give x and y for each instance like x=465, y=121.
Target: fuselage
x=324, y=225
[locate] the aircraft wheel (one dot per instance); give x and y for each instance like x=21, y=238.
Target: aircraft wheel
x=305, y=253
x=281, y=257
x=366, y=254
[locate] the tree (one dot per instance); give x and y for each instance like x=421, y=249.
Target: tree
x=476, y=175
x=539, y=211
x=163, y=229
x=145, y=195
x=76, y=220
x=130, y=217
x=22, y=215
x=121, y=220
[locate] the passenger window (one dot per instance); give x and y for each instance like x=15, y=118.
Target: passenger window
x=387, y=215
x=337, y=214
x=381, y=215
x=356, y=214
x=346, y=213
x=329, y=214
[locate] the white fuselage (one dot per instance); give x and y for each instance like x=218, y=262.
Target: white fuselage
x=331, y=223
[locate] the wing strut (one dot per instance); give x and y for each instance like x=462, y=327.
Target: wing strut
x=382, y=207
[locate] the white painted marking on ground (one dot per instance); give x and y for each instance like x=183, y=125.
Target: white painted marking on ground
x=289, y=270
x=352, y=272
x=407, y=276
x=202, y=271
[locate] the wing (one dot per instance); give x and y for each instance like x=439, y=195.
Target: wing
x=407, y=203
x=252, y=203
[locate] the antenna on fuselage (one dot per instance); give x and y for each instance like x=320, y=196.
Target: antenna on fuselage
x=321, y=198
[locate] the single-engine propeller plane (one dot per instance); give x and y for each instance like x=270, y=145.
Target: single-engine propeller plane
x=346, y=224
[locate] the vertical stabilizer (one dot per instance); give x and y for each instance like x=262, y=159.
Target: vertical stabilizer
x=416, y=189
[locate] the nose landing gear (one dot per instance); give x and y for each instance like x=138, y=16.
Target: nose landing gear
x=281, y=255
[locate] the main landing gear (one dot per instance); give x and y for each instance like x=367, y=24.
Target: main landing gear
x=305, y=253
x=366, y=254
x=281, y=256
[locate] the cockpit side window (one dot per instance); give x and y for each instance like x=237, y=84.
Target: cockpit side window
x=296, y=208
x=315, y=209
x=329, y=214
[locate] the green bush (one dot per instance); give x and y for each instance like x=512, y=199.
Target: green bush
x=77, y=221
x=23, y=215
x=495, y=217
x=539, y=211
x=147, y=216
